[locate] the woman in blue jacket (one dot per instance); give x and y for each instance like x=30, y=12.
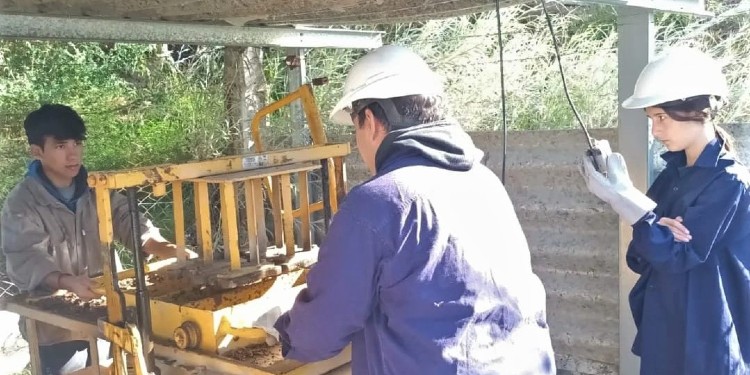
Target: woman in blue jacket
x=691, y=231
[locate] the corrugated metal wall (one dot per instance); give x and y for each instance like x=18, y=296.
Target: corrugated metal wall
x=573, y=239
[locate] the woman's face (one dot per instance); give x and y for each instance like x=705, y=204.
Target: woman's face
x=675, y=135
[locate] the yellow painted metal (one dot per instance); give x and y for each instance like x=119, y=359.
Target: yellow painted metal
x=206, y=311
x=114, y=301
x=250, y=335
x=199, y=316
x=259, y=173
x=285, y=185
x=260, y=218
x=174, y=172
x=129, y=339
x=203, y=221
x=309, y=106
x=332, y=186
x=178, y=209
x=252, y=221
x=229, y=223
x=159, y=189
x=340, y=173
x=304, y=211
x=278, y=230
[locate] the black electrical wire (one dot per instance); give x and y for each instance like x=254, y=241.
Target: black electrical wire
x=562, y=75
x=502, y=87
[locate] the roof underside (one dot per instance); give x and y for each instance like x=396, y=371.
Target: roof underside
x=254, y=12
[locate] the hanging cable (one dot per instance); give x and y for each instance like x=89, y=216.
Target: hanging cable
x=502, y=87
x=562, y=76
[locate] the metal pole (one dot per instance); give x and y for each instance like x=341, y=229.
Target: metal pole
x=635, y=46
x=143, y=306
x=325, y=176
x=121, y=31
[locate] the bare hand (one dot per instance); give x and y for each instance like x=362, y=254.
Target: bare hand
x=81, y=286
x=679, y=231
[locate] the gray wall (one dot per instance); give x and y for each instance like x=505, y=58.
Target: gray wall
x=572, y=235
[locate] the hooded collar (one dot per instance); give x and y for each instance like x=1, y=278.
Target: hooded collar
x=443, y=143
x=81, y=185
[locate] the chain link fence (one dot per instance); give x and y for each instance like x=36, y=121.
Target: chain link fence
x=160, y=210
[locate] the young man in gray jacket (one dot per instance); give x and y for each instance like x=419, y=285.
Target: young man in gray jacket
x=50, y=234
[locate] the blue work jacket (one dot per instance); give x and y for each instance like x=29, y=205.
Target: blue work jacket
x=425, y=270
x=691, y=304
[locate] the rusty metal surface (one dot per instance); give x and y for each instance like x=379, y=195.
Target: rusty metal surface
x=254, y=12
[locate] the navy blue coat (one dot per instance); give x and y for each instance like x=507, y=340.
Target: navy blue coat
x=691, y=304
x=425, y=270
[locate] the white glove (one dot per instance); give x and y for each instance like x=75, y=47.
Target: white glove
x=264, y=312
x=617, y=189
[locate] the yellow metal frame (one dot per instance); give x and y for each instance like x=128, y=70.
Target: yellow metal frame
x=272, y=169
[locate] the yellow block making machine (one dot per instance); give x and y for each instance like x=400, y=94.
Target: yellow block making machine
x=199, y=315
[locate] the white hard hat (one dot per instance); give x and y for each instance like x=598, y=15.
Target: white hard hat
x=387, y=72
x=680, y=73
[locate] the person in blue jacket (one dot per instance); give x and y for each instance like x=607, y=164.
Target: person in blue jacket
x=691, y=231
x=425, y=268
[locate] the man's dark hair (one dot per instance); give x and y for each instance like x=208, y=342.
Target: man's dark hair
x=413, y=110
x=54, y=120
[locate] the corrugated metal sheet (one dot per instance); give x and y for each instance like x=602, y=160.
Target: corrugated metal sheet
x=573, y=238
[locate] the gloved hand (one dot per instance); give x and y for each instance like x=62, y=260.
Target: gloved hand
x=265, y=312
x=617, y=189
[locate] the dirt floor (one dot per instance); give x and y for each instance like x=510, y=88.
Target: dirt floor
x=260, y=355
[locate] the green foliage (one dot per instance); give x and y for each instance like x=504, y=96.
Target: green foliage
x=144, y=106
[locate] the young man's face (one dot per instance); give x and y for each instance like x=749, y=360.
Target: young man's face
x=369, y=134
x=61, y=159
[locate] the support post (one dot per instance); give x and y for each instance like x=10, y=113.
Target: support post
x=635, y=47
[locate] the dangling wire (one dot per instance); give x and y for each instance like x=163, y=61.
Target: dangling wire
x=562, y=75
x=502, y=87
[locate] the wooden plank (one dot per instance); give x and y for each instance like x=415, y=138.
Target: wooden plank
x=276, y=208
x=288, y=218
x=252, y=227
x=256, y=173
x=172, y=172
x=304, y=210
x=203, y=221
x=32, y=335
x=94, y=353
x=260, y=217
x=178, y=208
x=313, y=207
x=229, y=223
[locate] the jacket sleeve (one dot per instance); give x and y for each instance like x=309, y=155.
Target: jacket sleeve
x=340, y=292
x=25, y=245
x=708, y=221
x=122, y=227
